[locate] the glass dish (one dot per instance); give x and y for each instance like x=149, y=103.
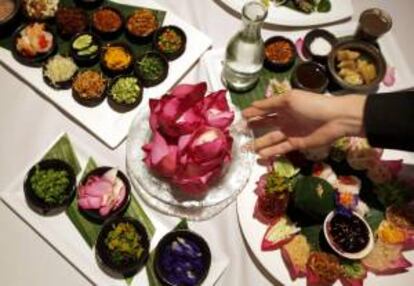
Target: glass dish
x=164, y=197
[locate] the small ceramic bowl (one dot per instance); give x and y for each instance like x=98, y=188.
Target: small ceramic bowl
x=103, y=254
x=85, y=60
x=112, y=33
x=111, y=72
x=35, y=61
x=120, y=106
x=166, y=241
x=62, y=85
x=89, y=102
x=170, y=55
x=94, y=215
x=279, y=66
x=309, y=41
x=8, y=22
x=143, y=77
x=39, y=205
x=310, y=76
x=335, y=247
x=370, y=52
x=134, y=36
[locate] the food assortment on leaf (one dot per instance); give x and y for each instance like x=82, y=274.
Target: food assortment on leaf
x=338, y=216
x=303, y=6
x=191, y=145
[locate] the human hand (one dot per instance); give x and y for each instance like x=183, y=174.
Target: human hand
x=304, y=120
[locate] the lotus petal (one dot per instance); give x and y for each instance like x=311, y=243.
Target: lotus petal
x=389, y=78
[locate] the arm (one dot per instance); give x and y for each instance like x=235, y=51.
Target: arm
x=389, y=120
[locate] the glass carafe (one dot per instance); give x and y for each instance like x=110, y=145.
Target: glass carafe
x=245, y=51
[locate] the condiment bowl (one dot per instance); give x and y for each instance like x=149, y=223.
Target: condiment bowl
x=39, y=205
x=115, y=72
x=139, y=39
x=94, y=215
x=7, y=23
x=89, y=102
x=279, y=66
x=173, y=55
x=148, y=82
x=367, y=50
x=112, y=34
x=310, y=76
x=167, y=240
x=103, y=253
x=85, y=61
x=35, y=61
x=311, y=37
x=123, y=107
x=62, y=85
x=353, y=256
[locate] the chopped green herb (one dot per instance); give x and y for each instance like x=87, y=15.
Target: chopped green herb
x=151, y=67
x=50, y=185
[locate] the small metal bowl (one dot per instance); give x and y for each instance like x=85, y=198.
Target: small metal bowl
x=368, y=51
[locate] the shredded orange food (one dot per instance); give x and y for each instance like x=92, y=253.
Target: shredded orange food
x=390, y=233
x=89, y=84
x=117, y=58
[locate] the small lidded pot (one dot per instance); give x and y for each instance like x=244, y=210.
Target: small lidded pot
x=310, y=76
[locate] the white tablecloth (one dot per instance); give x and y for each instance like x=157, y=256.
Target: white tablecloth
x=29, y=123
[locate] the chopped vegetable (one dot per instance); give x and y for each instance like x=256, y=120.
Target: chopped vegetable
x=126, y=90
x=124, y=243
x=89, y=84
x=34, y=40
x=151, y=67
x=50, y=185
x=60, y=69
x=170, y=41
x=278, y=234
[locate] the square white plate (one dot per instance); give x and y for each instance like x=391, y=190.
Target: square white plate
x=106, y=124
x=61, y=234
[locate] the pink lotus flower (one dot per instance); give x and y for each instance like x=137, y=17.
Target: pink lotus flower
x=104, y=193
x=191, y=143
x=176, y=113
x=161, y=157
x=202, y=157
x=216, y=110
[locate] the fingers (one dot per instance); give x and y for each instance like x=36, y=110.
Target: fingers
x=252, y=112
x=279, y=149
x=269, y=139
x=265, y=106
x=264, y=122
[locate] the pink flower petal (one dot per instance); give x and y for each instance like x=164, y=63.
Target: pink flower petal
x=299, y=48
x=390, y=78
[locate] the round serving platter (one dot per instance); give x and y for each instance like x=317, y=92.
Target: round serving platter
x=271, y=261
x=283, y=16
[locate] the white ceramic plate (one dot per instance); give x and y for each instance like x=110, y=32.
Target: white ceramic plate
x=107, y=125
x=59, y=231
x=283, y=16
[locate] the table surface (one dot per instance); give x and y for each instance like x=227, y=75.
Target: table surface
x=28, y=123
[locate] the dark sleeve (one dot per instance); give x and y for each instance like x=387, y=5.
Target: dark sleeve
x=389, y=120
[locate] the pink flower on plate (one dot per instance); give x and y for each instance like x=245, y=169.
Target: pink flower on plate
x=176, y=113
x=161, y=157
x=216, y=110
x=202, y=158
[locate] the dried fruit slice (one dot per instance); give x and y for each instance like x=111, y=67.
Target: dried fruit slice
x=279, y=233
x=295, y=254
x=386, y=259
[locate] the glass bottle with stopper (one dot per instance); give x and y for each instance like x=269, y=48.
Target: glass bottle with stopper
x=245, y=51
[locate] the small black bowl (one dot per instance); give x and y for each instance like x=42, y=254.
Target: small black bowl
x=65, y=31
x=7, y=23
x=280, y=66
x=89, y=4
x=93, y=215
x=140, y=39
x=310, y=76
x=35, y=61
x=170, y=55
x=149, y=82
x=103, y=255
x=115, y=72
x=312, y=36
x=89, y=102
x=167, y=240
x=39, y=205
x=67, y=84
x=113, y=33
x=86, y=60
x=123, y=107
x=31, y=18
x=368, y=51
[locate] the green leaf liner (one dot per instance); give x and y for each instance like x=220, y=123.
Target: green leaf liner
x=64, y=46
x=63, y=150
x=152, y=278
